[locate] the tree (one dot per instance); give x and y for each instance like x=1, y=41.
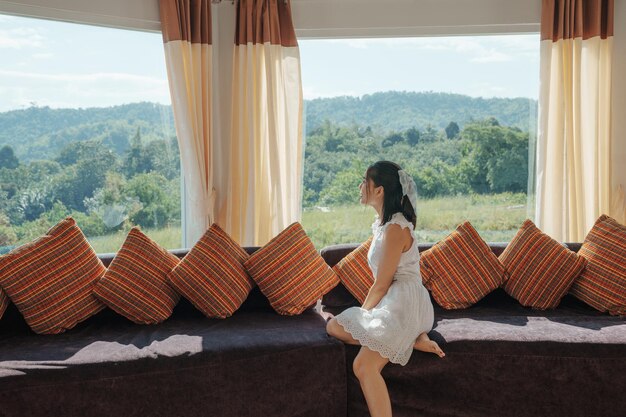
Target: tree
x=135, y=161
x=158, y=197
x=392, y=139
x=429, y=134
x=33, y=203
x=452, y=130
x=413, y=136
x=162, y=157
x=80, y=180
x=439, y=179
x=497, y=157
x=75, y=151
x=7, y=235
x=7, y=158
x=344, y=189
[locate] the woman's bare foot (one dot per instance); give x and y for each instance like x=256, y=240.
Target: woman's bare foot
x=424, y=344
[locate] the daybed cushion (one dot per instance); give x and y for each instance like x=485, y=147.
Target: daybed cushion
x=290, y=272
x=461, y=269
x=540, y=270
x=255, y=363
x=212, y=275
x=602, y=283
x=51, y=279
x=135, y=285
x=354, y=271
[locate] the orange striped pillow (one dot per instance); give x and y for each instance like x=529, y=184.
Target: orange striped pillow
x=461, y=269
x=355, y=273
x=540, y=269
x=4, y=302
x=50, y=280
x=602, y=284
x=135, y=284
x=290, y=272
x=211, y=276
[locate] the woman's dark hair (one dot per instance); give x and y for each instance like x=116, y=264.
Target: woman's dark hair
x=385, y=173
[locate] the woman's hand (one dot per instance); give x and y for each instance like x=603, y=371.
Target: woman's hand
x=391, y=250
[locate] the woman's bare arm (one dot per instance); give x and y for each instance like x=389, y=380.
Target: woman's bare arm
x=391, y=250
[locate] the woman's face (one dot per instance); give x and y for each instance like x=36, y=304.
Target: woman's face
x=369, y=193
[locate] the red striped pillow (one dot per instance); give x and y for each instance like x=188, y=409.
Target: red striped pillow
x=355, y=273
x=50, y=280
x=211, y=276
x=135, y=284
x=4, y=302
x=540, y=269
x=602, y=284
x=461, y=269
x=290, y=272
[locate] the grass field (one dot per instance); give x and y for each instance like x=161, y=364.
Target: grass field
x=497, y=218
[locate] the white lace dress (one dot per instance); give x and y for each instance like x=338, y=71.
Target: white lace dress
x=403, y=313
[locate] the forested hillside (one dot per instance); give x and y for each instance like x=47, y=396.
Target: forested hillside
x=111, y=168
x=395, y=111
x=39, y=133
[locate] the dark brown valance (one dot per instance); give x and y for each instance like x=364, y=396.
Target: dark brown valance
x=188, y=20
x=263, y=21
x=568, y=19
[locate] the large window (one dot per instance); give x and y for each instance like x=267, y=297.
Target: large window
x=458, y=113
x=86, y=131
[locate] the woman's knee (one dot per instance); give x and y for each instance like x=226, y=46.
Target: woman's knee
x=362, y=368
x=331, y=325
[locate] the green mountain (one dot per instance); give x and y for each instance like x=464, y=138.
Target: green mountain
x=396, y=111
x=41, y=132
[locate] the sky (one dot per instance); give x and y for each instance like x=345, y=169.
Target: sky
x=65, y=65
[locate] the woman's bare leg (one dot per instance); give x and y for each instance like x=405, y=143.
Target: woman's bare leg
x=424, y=344
x=336, y=330
x=367, y=366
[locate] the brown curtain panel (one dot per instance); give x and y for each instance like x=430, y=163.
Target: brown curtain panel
x=186, y=26
x=266, y=156
x=573, y=169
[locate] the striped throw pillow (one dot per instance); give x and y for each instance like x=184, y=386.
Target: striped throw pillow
x=211, y=276
x=602, y=284
x=355, y=273
x=4, y=302
x=135, y=284
x=50, y=280
x=461, y=269
x=290, y=272
x=540, y=269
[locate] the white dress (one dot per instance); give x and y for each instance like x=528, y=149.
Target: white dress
x=405, y=312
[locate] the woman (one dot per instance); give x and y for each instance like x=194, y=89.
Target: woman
x=397, y=314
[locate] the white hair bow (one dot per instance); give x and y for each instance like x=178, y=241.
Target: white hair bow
x=408, y=188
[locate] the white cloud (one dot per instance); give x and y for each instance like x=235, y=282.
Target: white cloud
x=20, y=89
x=43, y=55
x=492, y=56
x=310, y=93
x=19, y=38
x=353, y=43
x=488, y=90
x=479, y=49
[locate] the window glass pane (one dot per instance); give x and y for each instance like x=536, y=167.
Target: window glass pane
x=458, y=113
x=86, y=131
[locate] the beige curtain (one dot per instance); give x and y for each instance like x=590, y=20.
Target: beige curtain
x=573, y=171
x=265, y=170
x=186, y=26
